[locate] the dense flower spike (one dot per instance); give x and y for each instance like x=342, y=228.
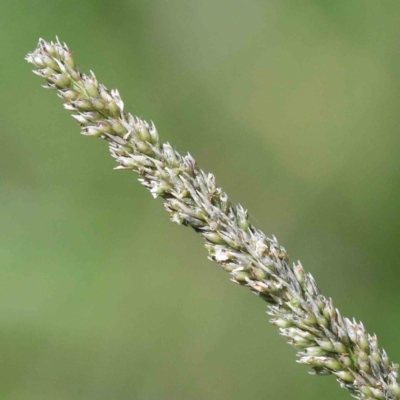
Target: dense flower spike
x=327, y=342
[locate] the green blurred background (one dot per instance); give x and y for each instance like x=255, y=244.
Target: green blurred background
x=294, y=105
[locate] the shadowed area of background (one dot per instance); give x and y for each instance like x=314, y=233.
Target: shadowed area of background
x=294, y=106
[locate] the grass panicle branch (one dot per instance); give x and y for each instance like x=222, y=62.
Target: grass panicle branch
x=327, y=342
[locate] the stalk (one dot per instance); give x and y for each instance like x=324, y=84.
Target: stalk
x=327, y=342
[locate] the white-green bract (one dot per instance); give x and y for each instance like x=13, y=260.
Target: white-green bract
x=326, y=341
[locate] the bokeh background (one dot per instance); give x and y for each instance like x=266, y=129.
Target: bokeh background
x=294, y=105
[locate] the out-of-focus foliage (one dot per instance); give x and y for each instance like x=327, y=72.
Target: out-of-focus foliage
x=295, y=108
